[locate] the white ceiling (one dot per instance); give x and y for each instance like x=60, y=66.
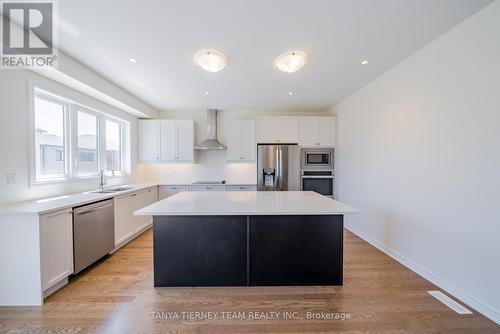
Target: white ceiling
x=336, y=34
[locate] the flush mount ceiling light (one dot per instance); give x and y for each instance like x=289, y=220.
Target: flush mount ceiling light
x=291, y=61
x=364, y=62
x=132, y=60
x=210, y=60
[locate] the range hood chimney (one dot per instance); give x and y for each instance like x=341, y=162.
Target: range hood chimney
x=211, y=142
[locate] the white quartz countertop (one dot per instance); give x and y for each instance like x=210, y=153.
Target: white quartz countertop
x=66, y=201
x=246, y=203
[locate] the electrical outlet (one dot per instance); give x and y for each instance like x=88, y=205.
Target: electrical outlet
x=11, y=179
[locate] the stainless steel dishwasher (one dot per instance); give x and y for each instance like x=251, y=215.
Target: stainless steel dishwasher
x=93, y=233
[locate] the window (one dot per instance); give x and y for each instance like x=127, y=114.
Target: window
x=50, y=139
x=87, y=143
x=71, y=141
x=113, y=147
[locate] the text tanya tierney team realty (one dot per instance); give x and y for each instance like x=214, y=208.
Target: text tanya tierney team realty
x=250, y=315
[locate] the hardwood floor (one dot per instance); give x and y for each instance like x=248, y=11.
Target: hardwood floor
x=117, y=296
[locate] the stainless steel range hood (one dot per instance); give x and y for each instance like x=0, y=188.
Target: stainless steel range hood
x=211, y=142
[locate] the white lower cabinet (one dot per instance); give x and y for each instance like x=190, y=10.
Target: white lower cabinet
x=165, y=191
x=241, y=188
x=56, y=247
x=124, y=227
x=126, y=224
x=140, y=200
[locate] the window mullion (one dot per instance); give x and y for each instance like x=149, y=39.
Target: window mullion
x=73, y=142
x=102, y=143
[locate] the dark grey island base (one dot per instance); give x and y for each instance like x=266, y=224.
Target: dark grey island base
x=243, y=250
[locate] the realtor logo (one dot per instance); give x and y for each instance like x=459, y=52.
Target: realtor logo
x=27, y=34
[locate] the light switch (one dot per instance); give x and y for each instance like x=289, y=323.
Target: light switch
x=11, y=179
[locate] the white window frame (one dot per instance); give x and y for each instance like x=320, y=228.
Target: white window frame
x=76, y=172
x=67, y=142
x=71, y=110
x=123, y=137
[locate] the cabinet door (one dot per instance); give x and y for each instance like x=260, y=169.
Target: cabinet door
x=307, y=131
x=185, y=140
x=56, y=245
x=200, y=251
x=248, y=145
x=140, y=200
x=267, y=130
x=152, y=195
x=149, y=140
x=242, y=188
x=124, y=226
x=168, y=140
x=325, y=131
x=234, y=142
x=288, y=130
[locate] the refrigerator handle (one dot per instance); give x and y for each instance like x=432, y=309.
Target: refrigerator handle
x=277, y=173
x=280, y=166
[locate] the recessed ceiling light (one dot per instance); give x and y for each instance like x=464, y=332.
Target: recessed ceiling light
x=364, y=62
x=291, y=61
x=132, y=60
x=210, y=60
x=207, y=93
x=290, y=93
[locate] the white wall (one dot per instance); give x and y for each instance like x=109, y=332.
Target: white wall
x=212, y=165
x=419, y=153
x=14, y=157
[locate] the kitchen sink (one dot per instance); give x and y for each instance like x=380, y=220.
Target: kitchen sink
x=113, y=190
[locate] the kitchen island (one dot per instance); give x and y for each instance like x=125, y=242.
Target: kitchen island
x=247, y=239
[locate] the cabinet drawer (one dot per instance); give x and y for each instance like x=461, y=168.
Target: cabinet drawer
x=177, y=188
x=165, y=191
x=242, y=188
x=208, y=188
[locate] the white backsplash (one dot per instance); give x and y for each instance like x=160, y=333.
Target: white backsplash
x=209, y=165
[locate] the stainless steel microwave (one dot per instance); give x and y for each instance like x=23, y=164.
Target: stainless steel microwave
x=317, y=158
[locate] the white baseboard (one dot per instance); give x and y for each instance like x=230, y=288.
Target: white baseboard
x=480, y=307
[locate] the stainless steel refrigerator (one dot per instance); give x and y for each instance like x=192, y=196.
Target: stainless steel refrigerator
x=278, y=167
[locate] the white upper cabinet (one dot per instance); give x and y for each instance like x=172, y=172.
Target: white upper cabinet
x=288, y=130
x=166, y=140
x=317, y=131
x=307, y=131
x=277, y=130
x=149, y=140
x=185, y=140
x=241, y=145
x=177, y=140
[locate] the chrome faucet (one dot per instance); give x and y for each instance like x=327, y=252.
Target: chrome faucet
x=102, y=176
